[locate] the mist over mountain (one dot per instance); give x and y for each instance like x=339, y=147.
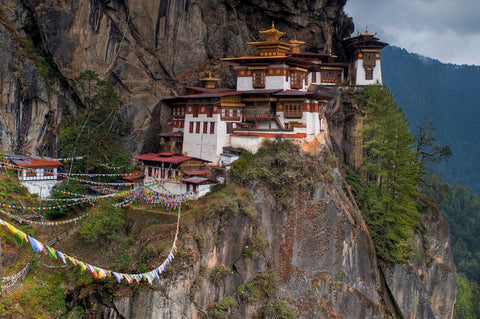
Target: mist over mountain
x=449, y=96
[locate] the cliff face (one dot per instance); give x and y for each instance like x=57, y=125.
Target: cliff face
x=148, y=49
x=311, y=251
x=317, y=257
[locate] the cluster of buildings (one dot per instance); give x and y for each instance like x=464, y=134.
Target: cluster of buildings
x=276, y=96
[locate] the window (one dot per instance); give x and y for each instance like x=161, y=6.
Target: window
x=368, y=73
x=314, y=77
x=297, y=79
x=331, y=76
x=195, y=111
x=293, y=111
x=259, y=79
x=231, y=114
x=369, y=59
x=212, y=127
x=190, y=130
x=229, y=127
x=197, y=128
x=205, y=127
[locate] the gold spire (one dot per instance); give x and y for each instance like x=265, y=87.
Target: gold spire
x=272, y=34
x=209, y=81
x=210, y=78
x=366, y=32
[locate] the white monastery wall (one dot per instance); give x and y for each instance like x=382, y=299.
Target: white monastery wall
x=201, y=145
x=244, y=83
x=276, y=82
x=42, y=188
x=360, y=73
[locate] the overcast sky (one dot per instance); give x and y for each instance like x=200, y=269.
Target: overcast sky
x=446, y=30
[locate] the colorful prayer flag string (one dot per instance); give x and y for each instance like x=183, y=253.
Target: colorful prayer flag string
x=43, y=223
x=98, y=272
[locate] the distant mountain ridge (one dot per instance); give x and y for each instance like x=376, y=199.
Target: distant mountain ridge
x=449, y=95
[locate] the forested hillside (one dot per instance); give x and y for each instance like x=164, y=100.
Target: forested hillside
x=461, y=210
x=448, y=95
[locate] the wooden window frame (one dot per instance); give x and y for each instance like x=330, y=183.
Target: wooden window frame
x=368, y=73
x=212, y=127
x=197, y=128
x=190, y=129
x=205, y=127
x=258, y=79
x=296, y=80
x=293, y=111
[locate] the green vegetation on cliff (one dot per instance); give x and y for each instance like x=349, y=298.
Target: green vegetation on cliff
x=89, y=131
x=385, y=186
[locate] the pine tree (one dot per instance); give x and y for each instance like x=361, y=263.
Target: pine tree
x=391, y=171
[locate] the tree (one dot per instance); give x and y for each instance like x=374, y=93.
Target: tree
x=428, y=149
x=90, y=132
x=391, y=171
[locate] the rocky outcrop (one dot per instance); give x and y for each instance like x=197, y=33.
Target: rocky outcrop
x=318, y=251
x=426, y=288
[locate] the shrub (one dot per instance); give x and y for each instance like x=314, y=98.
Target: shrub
x=104, y=223
x=281, y=165
x=221, y=309
x=278, y=310
x=219, y=272
x=248, y=292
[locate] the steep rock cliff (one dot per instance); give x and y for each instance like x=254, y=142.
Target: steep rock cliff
x=310, y=250
x=317, y=257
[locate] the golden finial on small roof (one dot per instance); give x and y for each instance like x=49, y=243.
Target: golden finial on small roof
x=367, y=33
x=272, y=34
x=209, y=77
x=296, y=42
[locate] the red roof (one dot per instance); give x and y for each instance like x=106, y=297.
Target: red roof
x=196, y=180
x=194, y=172
x=293, y=92
x=203, y=95
x=167, y=157
x=37, y=162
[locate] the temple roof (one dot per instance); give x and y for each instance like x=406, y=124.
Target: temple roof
x=33, y=161
x=363, y=41
x=168, y=157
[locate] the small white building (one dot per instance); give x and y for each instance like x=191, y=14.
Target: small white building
x=38, y=174
x=175, y=174
x=364, y=53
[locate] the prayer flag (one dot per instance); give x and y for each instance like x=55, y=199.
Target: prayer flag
x=51, y=251
x=36, y=245
x=60, y=254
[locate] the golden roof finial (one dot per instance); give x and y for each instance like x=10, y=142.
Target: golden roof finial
x=366, y=32
x=272, y=34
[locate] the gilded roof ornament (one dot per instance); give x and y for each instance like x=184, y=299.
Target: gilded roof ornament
x=272, y=34
x=296, y=42
x=210, y=78
x=366, y=32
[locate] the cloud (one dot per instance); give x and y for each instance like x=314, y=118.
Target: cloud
x=447, y=30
